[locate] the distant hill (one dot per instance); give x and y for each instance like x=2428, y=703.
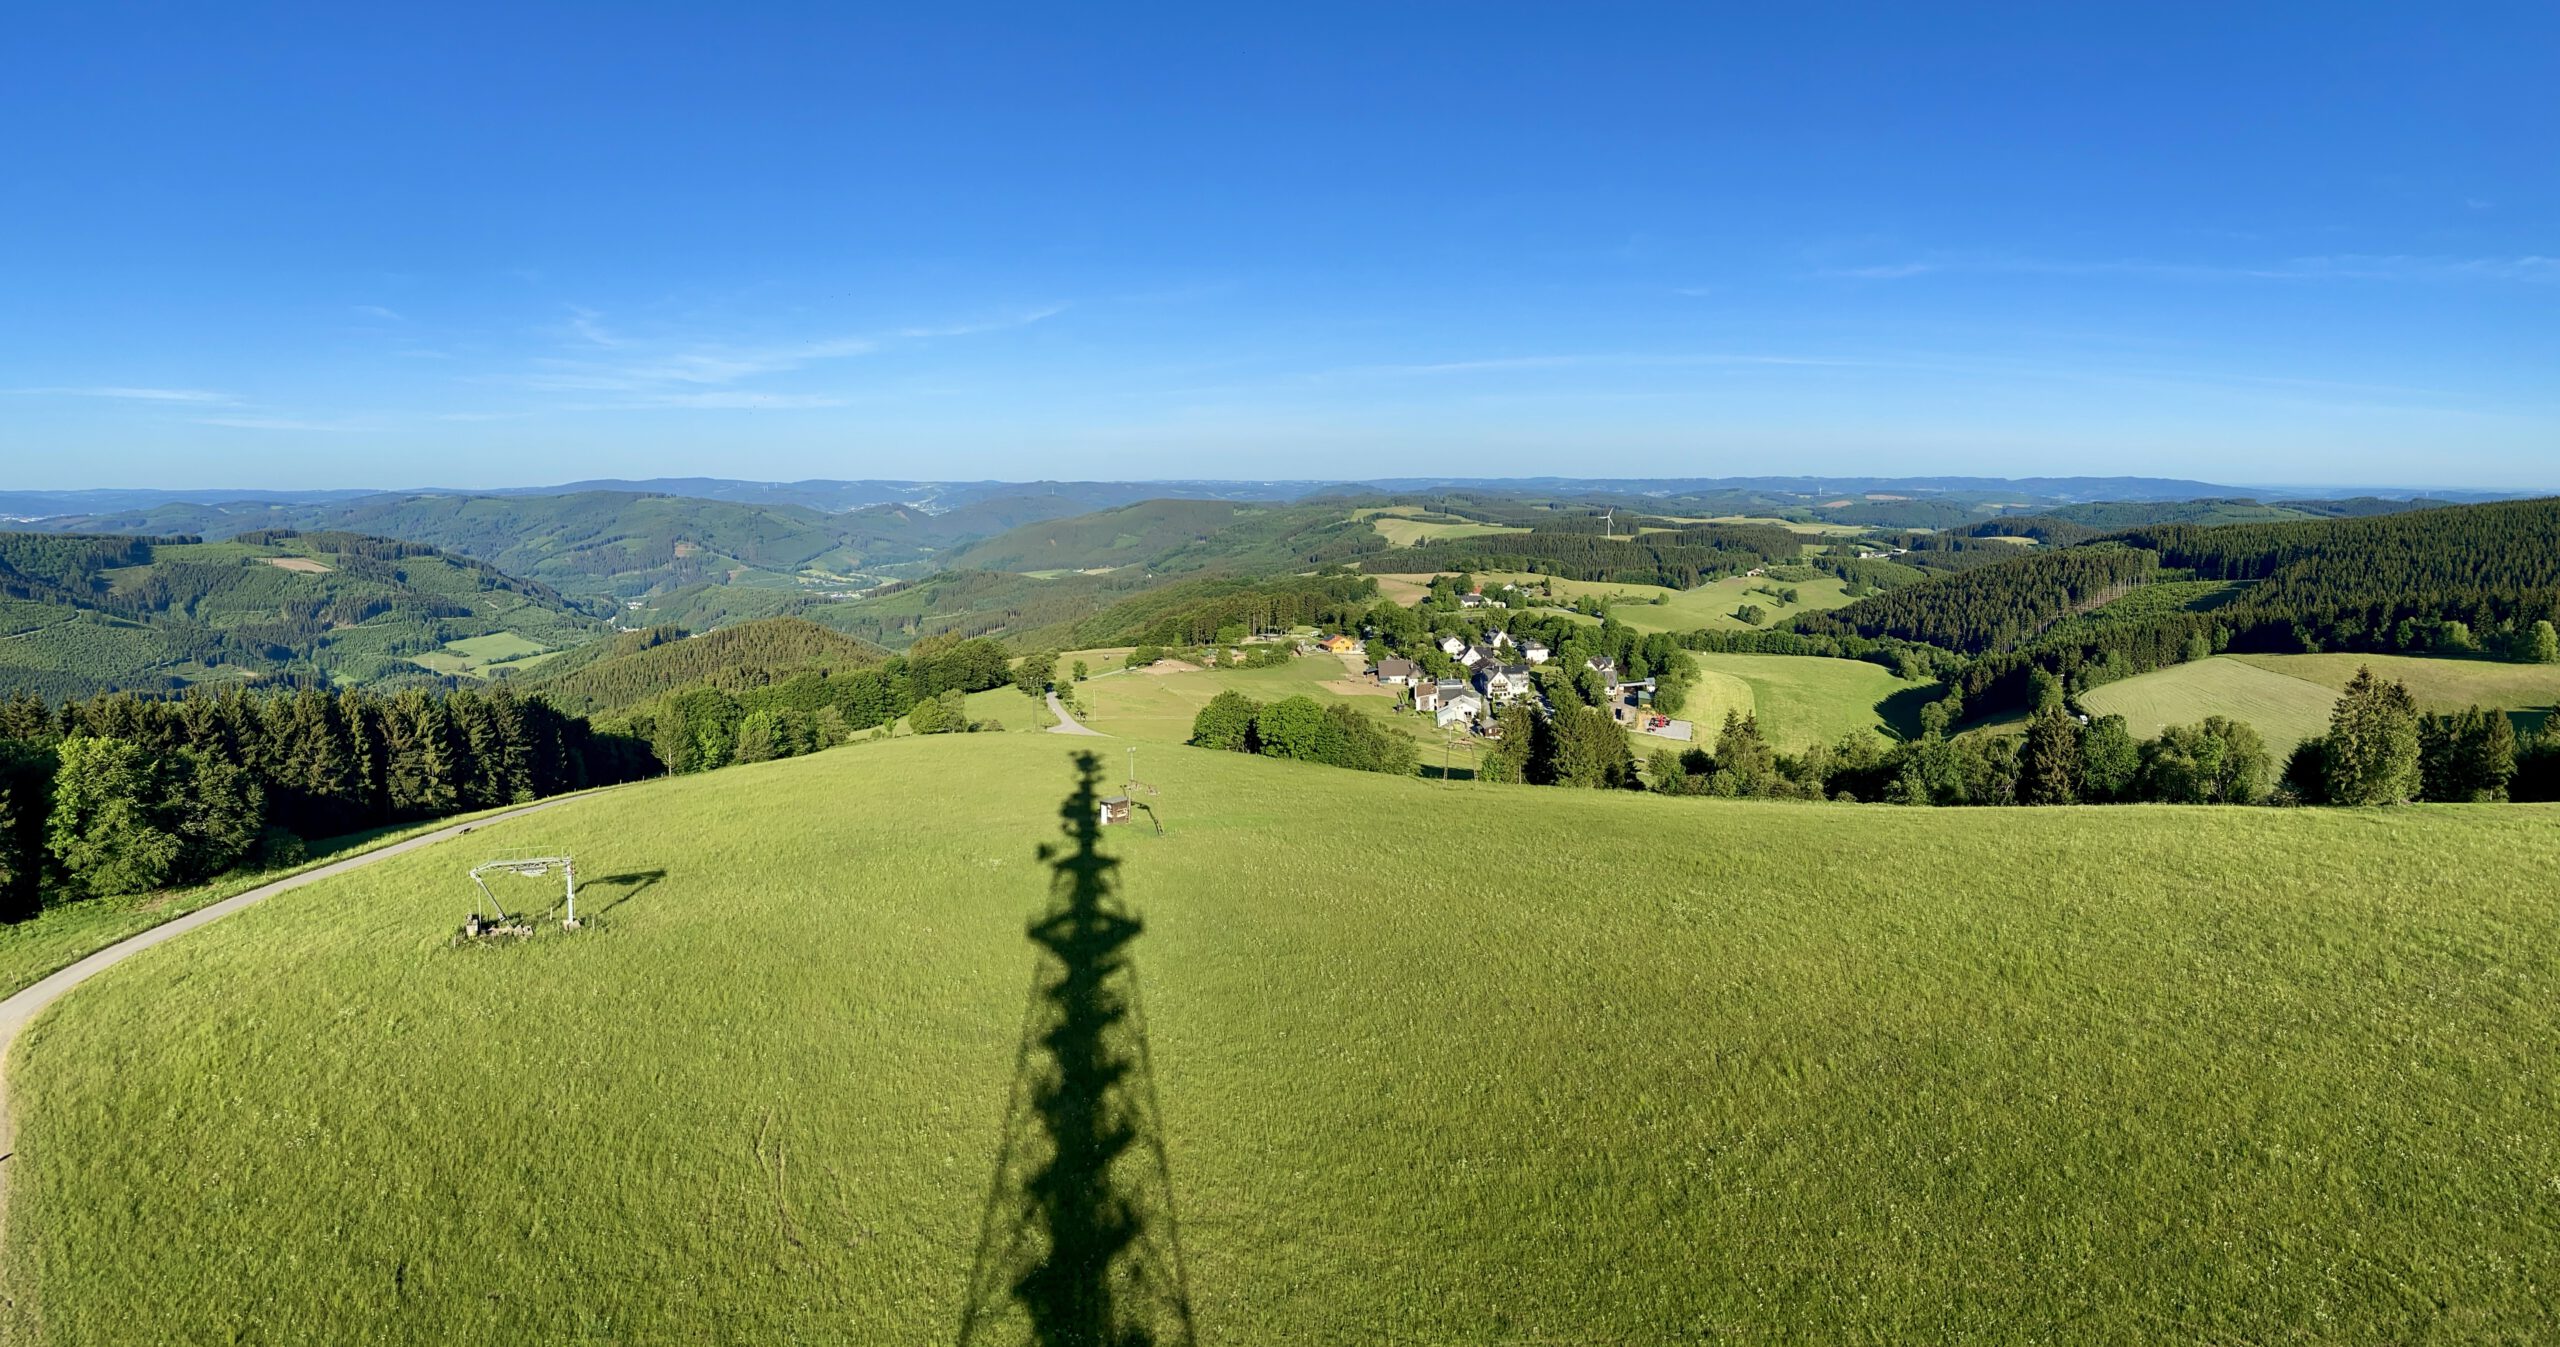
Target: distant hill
x=636, y=666
x=1176, y=535
x=88, y=614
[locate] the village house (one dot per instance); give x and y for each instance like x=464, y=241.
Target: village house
x=1428, y=695
x=1340, y=644
x=1473, y=601
x=1462, y=704
x=1451, y=645
x=1498, y=639
x=1471, y=656
x=1606, y=667
x=1398, y=671
x=1503, y=682
x=1535, y=651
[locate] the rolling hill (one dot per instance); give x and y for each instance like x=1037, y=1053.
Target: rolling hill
x=87, y=614
x=1377, y=1062
x=636, y=666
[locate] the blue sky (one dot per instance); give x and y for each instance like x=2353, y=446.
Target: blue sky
x=360, y=245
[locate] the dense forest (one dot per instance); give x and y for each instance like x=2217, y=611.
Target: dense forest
x=638, y=665
x=1680, y=559
x=121, y=793
x=1991, y=607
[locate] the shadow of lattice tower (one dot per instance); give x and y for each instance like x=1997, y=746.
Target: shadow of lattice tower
x=1078, y=1246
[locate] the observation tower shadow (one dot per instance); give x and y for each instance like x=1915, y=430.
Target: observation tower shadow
x=1078, y=1245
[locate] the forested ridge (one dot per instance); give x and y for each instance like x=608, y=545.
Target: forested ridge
x=1993, y=606
x=636, y=666
x=1680, y=559
x=83, y=614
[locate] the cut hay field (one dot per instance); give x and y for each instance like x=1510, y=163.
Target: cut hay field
x=1801, y=701
x=2288, y=697
x=1404, y=1070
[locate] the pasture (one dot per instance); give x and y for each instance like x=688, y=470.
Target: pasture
x=1403, y=526
x=2529, y=693
x=1404, y=1070
x=1710, y=607
x=2283, y=709
x=2287, y=698
x=1801, y=701
x=475, y=656
x=1159, y=707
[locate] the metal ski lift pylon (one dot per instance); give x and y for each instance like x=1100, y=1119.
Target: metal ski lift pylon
x=530, y=867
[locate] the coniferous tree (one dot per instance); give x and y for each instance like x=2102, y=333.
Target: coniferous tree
x=2371, y=750
x=2051, y=761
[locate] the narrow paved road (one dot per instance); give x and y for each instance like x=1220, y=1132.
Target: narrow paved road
x=18, y=1010
x=1067, y=724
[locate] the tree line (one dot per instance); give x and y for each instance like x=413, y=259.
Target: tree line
x=1994, y=606
x=120, y=793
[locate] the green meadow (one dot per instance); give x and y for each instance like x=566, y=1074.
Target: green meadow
x=1405, y=1063
x=1802, y=701
x=2287, y=698
x=1711, y=606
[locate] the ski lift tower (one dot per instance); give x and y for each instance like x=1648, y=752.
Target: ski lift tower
x=532, y=867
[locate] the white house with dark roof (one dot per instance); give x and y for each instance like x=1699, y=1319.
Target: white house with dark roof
x=1451, y=645
x=1503, y=682
x=1534, y=650
x=1399, y=671
x=1463, y=704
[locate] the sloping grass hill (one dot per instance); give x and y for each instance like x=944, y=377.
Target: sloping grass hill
x=2287, y=698
x=1404, y=1063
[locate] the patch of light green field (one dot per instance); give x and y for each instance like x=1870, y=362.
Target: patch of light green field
x=1710, y=606
x=2283, y=709
x=1011, y=708
x=1802, y=701
x=1143, y=705
x=1416, y=1073
x=2529, y=693
x=474, y=655
x=1403, y=527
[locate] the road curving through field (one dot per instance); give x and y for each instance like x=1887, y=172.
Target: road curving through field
x=20, y=1010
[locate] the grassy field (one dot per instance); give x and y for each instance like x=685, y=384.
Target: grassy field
x=1159, y=708
x=2287, y=698
x=2529, y=693
x=1807, y=1073
x=478, y=655
x=1010, y=707
x=69, y=931
x=2283, y=709
x=1800, y=701
x=1403, y=527
x=1709, y=606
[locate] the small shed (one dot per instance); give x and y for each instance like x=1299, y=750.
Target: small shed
x=1114, y=809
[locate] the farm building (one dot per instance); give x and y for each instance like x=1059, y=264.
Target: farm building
x=1399, y=671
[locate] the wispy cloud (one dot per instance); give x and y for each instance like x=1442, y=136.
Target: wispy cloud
x=377, y=311
x=283, y=423
x=1580, y=360
x=196, y=395
x=667, y=372
x=2385, y=267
